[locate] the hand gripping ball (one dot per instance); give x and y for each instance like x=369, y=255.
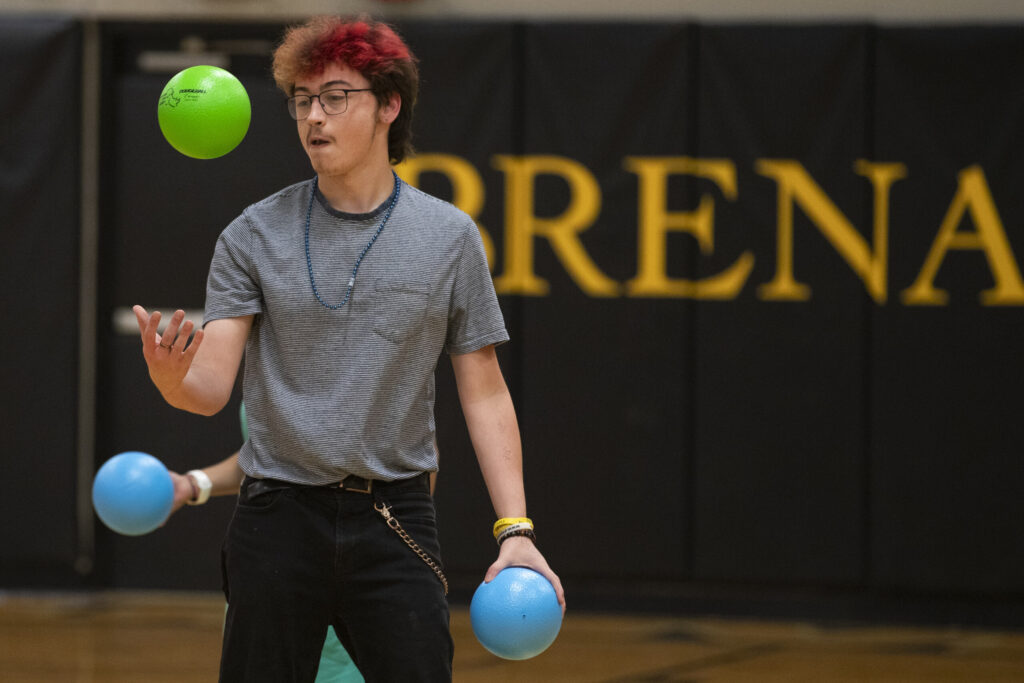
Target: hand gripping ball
x=204, y=112
x=133, y=493
x=517, y=615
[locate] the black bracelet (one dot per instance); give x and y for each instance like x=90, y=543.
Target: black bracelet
x=528, y=533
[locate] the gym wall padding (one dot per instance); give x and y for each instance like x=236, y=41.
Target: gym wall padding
x=779, y=387
x=40, y=129
x=720, y=251
x=946, y=401
x=606, y=409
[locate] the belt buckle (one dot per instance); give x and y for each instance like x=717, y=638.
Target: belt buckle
x=345, y=487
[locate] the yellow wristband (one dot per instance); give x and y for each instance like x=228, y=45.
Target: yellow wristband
x=505, y=522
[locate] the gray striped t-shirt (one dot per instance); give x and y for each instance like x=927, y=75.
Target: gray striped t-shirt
x=349, y=391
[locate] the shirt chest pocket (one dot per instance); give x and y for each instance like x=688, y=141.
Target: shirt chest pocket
x=399, y=309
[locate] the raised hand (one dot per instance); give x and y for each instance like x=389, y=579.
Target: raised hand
x=168, y=356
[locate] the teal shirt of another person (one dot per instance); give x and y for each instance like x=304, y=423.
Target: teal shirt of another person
x=336, y=666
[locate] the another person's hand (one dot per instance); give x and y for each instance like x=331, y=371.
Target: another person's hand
x=521, y=552
x=184, y=491
x=168, y=356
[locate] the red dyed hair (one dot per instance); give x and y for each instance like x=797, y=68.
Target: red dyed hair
x=372, y=48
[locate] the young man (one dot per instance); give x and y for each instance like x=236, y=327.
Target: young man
x=342, y=292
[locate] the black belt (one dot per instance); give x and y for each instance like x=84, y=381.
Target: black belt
x=360, y=485
x=352, y=483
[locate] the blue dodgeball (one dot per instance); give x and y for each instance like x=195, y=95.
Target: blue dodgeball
x=517, y=615
x=133, y=493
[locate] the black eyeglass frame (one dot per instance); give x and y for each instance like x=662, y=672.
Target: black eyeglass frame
x=296, y=98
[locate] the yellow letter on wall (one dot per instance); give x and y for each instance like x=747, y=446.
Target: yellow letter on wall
x=655, y=221
x=972, y=195
x=796, y=186
x=562, y=232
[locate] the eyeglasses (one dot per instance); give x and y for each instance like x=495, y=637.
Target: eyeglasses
x=334, y=101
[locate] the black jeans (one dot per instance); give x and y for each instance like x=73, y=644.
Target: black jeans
x=297, y=558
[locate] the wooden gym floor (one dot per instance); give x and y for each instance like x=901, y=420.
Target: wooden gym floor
x=122, y=637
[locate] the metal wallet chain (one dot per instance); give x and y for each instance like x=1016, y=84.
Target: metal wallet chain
x=392, y=522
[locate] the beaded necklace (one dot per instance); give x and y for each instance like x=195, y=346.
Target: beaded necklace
x=355, y=268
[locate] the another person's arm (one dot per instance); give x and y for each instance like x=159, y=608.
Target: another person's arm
x=494, y=431
x=226, y=477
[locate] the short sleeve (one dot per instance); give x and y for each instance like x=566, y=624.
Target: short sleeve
x=474, y=316
x=232, y=288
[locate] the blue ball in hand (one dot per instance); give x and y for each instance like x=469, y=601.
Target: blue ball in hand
x=133, y=493
x=517, y=615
